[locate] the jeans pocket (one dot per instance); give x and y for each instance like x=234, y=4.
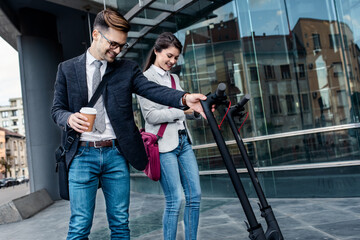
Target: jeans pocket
x=118, y=150
x=80, y=152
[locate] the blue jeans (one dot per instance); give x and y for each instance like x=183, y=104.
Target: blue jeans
x=90, y=166
x=179, y=170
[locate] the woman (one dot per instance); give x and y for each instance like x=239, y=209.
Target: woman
x=178, y=163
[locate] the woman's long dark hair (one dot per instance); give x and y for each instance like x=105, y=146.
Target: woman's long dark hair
x=164, y=41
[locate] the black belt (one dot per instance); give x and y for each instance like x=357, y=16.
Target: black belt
x=182, y=131
x=99, y=144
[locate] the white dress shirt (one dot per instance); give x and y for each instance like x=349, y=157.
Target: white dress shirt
x=166, y=81
x=90, y=69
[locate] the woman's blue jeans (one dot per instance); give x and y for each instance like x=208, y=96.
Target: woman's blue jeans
x=88, y=167
x=179, y=170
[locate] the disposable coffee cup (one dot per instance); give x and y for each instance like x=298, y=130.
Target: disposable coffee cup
x=90, y=113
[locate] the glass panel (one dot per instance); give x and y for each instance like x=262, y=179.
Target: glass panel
x=304, y=149
x=299, y=61
x=312, y=148
x=210, y=158
x=212, y=54
x=348, y=14
x=149, y=14
x=122, y=6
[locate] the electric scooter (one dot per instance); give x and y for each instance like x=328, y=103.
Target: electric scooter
x=254, y=228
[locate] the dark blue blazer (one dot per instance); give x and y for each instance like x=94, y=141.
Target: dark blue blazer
x=124, y=78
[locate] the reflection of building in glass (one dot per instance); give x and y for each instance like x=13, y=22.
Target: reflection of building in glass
x=293, y=71
x=297, y=82
x=330, y=48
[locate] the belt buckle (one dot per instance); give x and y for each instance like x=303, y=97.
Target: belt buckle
x=95, y=146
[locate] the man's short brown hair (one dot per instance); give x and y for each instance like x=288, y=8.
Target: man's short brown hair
x=111, y=18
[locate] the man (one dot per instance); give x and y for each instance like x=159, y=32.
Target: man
x=102, y=155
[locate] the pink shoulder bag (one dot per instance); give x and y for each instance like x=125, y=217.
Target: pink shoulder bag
x=150, y=141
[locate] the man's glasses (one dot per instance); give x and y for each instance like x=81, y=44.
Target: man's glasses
x=115, y=45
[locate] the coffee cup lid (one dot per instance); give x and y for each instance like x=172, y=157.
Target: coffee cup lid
x=88, y=110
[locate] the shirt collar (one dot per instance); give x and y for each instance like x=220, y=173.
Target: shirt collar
x=160, y=71
x=90, y=59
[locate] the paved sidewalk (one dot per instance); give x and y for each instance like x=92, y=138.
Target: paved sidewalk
x=9, y=193
x=220, y=218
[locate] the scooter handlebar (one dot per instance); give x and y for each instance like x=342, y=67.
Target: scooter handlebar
x=243, y=101
x=220, y=91
x=217, y=98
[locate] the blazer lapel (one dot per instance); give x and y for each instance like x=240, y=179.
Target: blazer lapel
x=109, y=69
x=80, y=67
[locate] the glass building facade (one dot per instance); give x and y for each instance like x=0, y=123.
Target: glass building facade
x=299, y=61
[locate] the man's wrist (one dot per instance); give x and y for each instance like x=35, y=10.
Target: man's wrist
x=67, y=122
x=183, y=99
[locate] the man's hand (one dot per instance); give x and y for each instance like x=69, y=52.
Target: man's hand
x=78, y=122
x=193, y=102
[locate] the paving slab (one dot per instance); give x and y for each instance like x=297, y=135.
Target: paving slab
x=220, y=218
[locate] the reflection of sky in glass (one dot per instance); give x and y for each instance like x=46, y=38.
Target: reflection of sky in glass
x=225, y=10
x=222, y=14
x=349, y=13
x=270, y=16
